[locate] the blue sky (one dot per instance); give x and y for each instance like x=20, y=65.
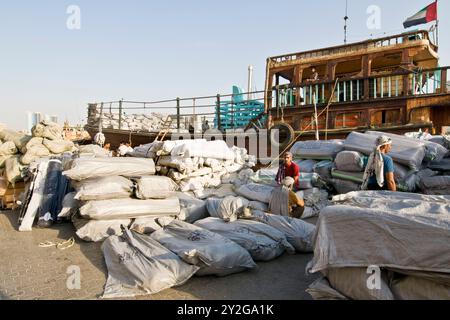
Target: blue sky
x=148, y=50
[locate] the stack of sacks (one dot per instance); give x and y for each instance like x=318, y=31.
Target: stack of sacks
x=107, y=194
x=348, y=171
x=132, y=122
x=381, y=228
x=19, y=150
x=199, y=164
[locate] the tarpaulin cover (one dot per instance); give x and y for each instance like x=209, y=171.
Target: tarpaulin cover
x=213, y=253
x=139, y=265
x=263, y=242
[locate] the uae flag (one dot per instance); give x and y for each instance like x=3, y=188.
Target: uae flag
x=425, y=15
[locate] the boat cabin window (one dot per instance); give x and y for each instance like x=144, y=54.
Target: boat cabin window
x=386, y=117
x=348, y=120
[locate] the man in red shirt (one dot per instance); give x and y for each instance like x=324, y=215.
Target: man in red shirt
x=288, y=169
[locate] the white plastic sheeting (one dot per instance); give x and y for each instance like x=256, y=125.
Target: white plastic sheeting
x=85, y=168
x=155, y=187
x=129, y=208
x=104, y=188
x=213, y=253
x=217, y=149
x=263, y=242
x=139, y=265
x=349, y=236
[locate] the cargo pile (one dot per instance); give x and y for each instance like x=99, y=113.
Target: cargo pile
x=133, y=122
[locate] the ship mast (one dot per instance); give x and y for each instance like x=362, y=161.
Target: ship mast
x=345, y=21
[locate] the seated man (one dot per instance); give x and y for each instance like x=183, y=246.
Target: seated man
x=288, y=169
x=285, y=202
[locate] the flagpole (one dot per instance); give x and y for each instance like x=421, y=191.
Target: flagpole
x=437, y=25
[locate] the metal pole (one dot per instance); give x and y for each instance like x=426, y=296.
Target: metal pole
x=250, y=80
x=437, y=25
x=178, y=113
x=219, y=125
x=315, y=116
x=120, y=114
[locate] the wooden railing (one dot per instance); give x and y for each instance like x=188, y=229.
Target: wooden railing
x=375, y=43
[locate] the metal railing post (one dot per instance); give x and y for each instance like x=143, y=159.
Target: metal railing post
x=219, y=124
x=178, y=113
x=120, y=114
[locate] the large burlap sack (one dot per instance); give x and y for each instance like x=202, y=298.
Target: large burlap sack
x=115, y=187
x=48, y=129
x=139, y=265
x=84, y=168
x=416, y=288
x=34, y=153
x=98, y=230
x=13, y=169
x=94, y=150
x=227, y=209
x=19, y=139
x=351, y=161
x=319, y=150
x=33, y=141
x=70, y=206
x=298, y=232
x=192, y=209
x=129, y=208
x=214, y=254
x=155, y=187
x=409, y=153
x=58, y=146
x=8, y=148
x=263, y=242
x=254, y=191
x=357, y=284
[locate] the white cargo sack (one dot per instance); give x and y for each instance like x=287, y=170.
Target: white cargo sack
x=217, y=149
x=214, y=254
x=129, y=208
x=155, y=187
x=227, y=209
x=298, y=232
x=98, y=230
x=47, y=129
x=148, y=225
x=319, y=150
x=254, y=191
x=85, y=168
x=139, y=265
x=349, y=161
x=192, y=209
x=94, y=150
x=70, y=206
x=263, y=242
x=114, y=187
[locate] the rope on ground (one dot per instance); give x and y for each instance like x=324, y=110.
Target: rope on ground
x=63, y=245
